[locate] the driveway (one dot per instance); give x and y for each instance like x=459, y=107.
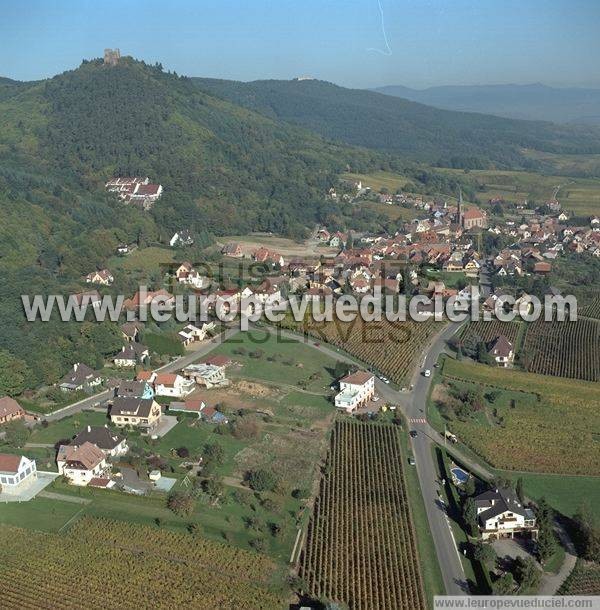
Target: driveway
x=513, y=548
x=166, y=424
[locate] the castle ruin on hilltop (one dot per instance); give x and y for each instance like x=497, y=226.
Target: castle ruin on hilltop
x=111, y=57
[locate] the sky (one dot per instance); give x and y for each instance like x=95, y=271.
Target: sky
x=355, y=43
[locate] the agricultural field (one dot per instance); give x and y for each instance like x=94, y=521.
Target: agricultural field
x=591, y=309
x=378, y=180
x=534, y=423
x=361, y=548
x=488, y=331
x=162, y=570
x=583, y=580
x=391, y=348
x=564, y=349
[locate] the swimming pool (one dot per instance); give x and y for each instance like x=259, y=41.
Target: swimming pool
x=460, y=476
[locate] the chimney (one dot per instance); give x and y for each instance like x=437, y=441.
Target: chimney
x=75, y=366
x=89, y=428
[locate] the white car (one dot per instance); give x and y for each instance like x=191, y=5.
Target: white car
x=427, y=372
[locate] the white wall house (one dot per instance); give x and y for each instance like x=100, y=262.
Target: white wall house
x=356, y=389
x=17, y=472
x=170, y=384
x=81, y=464
x=208, y=375
x=501, y=515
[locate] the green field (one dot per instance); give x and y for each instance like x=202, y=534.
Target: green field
x=537, y=423
x=39, y=514
x=380, y=179
x=145, y=260
x=67, y=427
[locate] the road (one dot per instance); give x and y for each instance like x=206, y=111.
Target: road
x=413, y=405
x=93, y=401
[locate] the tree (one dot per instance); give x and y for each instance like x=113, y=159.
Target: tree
x=13, y=374
x=183, y=452
x=526, y=572
x=261, y=480
x=470, y=516
x=546, y=544
x=17, y=433
x=469, y=486
x=519, y=490
x=484, y=553
x=504, y=585
x=181, y=503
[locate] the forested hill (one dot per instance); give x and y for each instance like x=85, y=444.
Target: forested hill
x=236, y=168
x=382, y=122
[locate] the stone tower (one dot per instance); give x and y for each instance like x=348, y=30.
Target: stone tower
x=111, y=57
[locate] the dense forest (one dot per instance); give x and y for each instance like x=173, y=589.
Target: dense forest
x=382, y=122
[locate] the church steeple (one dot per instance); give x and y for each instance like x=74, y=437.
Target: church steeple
x=460, y=205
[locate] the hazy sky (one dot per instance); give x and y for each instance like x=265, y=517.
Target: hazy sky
x=429, y=42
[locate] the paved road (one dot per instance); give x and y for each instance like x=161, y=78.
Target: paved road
x=178, y=364
x=413, y=404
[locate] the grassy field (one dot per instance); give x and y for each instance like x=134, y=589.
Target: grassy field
x=578, y=195
x=268, y=357
x=67, y=428
x=537, y=423
x=39, y=514
x=144, y=260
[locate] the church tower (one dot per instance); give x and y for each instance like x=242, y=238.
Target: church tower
x=459, y=214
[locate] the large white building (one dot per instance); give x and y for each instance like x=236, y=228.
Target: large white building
x=16, y=473
x=356, y=390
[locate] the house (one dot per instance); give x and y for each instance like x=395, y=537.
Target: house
x=135, y=389
x=10, y=410
x=264, y=255
x=81, y=377
x=186, y=274
x=123, y=249
x=171, y=384
x=542, y=268
x=233, y=250
x=208, y=375
x=143, y=413
x=131, y=330
x=356, y=390
x=212, y=416
x=82, y=463
x=111, y=443
x=131, y=354
x=502, y=351
x=83, y=299
x=500, y=514
x=162, y=298
x=103, y=277
x=17, y=473
x=219, y=360
x=181, y=238
x=190, y=333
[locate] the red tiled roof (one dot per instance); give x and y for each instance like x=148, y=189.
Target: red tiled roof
x=358, y=378
x=9, y=463
x=9, y=406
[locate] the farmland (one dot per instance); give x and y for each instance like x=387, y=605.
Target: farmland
x=228, y=578
x=592, y=309
x=361, y=548
x=392, y=348
x=488, y=331
x=537, y=423
x=564, y=349
x=583, y=580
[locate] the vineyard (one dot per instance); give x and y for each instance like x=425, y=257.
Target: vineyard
x=361, y=547
x=393, y=348
x=488, y=331
x=109, y=564
x=564, y=349
x=591, y=310
x=583, y=580
x=556, y=434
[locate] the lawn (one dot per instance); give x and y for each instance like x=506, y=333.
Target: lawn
x=380, y=179
x=143, y=260
x=39, y=514
x=67, y=428
x=274, y=358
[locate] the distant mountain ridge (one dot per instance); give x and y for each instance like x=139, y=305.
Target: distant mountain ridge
x=373, y=120
x=529, y=102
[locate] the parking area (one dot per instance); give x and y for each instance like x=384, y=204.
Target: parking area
x=167, y=423
x=514, y=547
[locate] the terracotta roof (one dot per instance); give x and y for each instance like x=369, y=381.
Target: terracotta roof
x=9, y=406
x=358, y=378
x=218, y=360
x=168, y=379
x=88, y=455
x=473, y=213
x=9, y=463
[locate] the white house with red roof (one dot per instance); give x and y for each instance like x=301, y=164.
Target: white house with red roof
x=103, y=277
x=10, y=410
x=356, y=390
x=17, y=472
x=81, y=463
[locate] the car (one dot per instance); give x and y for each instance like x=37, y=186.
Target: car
x=411, y=461
x=427, y=373
x=317, y=344
x=413, y=433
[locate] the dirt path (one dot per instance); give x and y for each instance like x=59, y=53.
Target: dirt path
x=552, y=582
x=50, y=495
